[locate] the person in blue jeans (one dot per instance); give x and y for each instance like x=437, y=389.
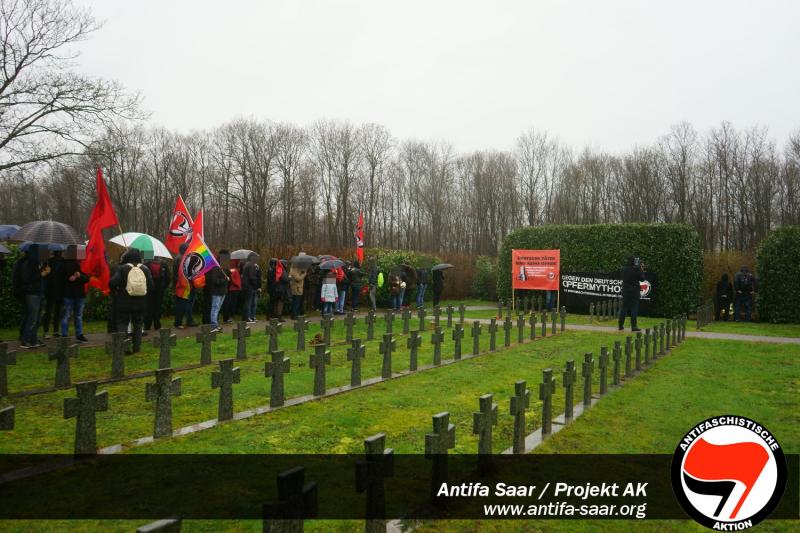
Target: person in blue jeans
x=422, y=285
x=550, y=300
x=329, y=294
x=29, y=274
x=744, y=283
x=74, y=283
x=217, y=287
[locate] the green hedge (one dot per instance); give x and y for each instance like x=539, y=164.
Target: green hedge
x=484, y=285
x=386, y=260
x=778, y=268
x=672, y=251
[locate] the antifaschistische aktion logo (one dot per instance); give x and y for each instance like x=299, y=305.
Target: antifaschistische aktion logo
x=729, y=473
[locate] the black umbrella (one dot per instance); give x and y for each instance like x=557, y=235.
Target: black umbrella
x=442, y=266
x=7, y=230
x=327, y=257
x=304, y=260
x=331, y=265
x=47, y=231
x=242, y=254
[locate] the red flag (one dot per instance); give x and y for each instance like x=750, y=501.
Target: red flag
x=180, y=229
x=197, y=226
x=359, y=235
x=102, y=216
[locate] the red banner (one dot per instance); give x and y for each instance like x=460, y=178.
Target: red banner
x=535, y=269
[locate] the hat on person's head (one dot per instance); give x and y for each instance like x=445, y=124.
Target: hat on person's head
x=133, y=256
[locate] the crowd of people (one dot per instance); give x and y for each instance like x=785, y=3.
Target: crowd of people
x=53, y=291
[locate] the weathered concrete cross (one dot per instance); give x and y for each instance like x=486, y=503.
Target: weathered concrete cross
x=356, y=353
x=205, y=337
x=520, y=402
x=413, y=342
x=61, y=353
x=164, y=341
x=161, y=392
x=224, y=381
x=83, y=409
x=275, y=369
x=317, y=361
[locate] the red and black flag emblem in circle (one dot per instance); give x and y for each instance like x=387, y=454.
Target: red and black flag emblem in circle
x=729, y=472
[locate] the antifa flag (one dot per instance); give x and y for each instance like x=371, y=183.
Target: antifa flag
x=195, y=263
x=180, y=228
x=359, y=235
x=197, y=225
x=102, y=216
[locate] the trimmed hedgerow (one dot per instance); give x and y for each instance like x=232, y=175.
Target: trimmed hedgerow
x=778, y=269
x=672, y=251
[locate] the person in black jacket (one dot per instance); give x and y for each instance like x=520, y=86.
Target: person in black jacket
x=29, y=274
x=130, y=308
x=744, y=283
x=373, y=285
x=53, y=294
x=251, y=287
x=632, y=275
x=216, y=289
x=74, y=293
x=159, y=271
x=722, y=298
x=356, y=277
x=438, y=286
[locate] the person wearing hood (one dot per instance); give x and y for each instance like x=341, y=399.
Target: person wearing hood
x=29, y=274
x=632, y=276
x=745, y=285
x=183, y=306
x=722, y=298
x=251, y=287
x=133, y=281
x=297, y=280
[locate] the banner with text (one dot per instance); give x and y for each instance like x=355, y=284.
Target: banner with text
x=578, y=289
x=535, y=269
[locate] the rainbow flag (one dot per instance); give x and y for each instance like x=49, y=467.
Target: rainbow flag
x=194, y=265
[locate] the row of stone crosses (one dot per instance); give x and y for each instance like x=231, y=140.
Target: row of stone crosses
x=603, y=310
x=298, y=500
x=119, y=344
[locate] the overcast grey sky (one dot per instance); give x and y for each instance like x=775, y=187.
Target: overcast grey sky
x=606, y=73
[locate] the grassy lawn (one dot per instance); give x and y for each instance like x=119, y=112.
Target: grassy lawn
x=754, y=328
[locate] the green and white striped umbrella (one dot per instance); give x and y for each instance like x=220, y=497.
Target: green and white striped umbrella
x=143, y=242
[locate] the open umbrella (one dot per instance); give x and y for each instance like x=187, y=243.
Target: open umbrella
x=7, y=230
x=331, y=265
x=142, y=242
x=442, y=266
x=324, y=258
x=47, y=231
x=304, y=260
x=242, y=254
x=52, y=247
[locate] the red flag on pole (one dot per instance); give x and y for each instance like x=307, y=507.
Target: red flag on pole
x=197, y=226
x=359, y=235
x=103, y=216
x=180, y=228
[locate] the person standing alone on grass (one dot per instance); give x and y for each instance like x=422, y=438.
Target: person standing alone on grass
x=722, y=298
x=745, y=285
x=133, y=281
x=632, y=275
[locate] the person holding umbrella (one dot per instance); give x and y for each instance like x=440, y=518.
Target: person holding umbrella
x=29, y=273
x=438, y=281
x=132, y=281
x=251, y=287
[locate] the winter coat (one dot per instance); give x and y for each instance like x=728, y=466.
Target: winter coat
x=235, y=284
x=76, y=288
x=251, y=277
x=297, y=277
x=216, y=282
x=631, y=277
x=118, y=282
x=329, y=291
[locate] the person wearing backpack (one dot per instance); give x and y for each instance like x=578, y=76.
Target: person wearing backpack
x=159, y=271
x=744, y=283
x=133, y=282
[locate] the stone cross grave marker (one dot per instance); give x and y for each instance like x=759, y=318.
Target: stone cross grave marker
x=493, y=335
x=457, y=335
x=482, y=423
x=349, y=321
x=84, y=409
x=563, y=314
x=61, y=352
x=508, y=325
x=544, y=324
x=326, y=323
x=273, y=329
x=546, y=390
x=317, y=361
x=449, y=310
x=355, y=354
x=387, y=346
x=661, y=339
x=519, y=305
x=617, y=356
x=603, y=366
x=499, y=309
x=377, y=465
x=437, y=338
x=7, y=418
x=240, y=333
x=669, y=333
x=117, y=347
x=628, y=353
x=275, y=369
x=437, y=443
x=7, y=357
x=461, y=310
x=406, y=321
x=205, y=337
x=520, y=328
x=161, y=392
x=553, y=315
x=388, y=317
x=297, y=500
x=164, y=341
x=520, y=402
x=300, y=327
x=532, y=322
x=476, y=338
x=437, y=316
x=539, y=303
x=224, y=381
x=508, y=307
x=638, y=347
x=370, y=320
x=647, y=346
x=421, y=315
x=413, y=342
x=570, y=376
x=587, y=369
